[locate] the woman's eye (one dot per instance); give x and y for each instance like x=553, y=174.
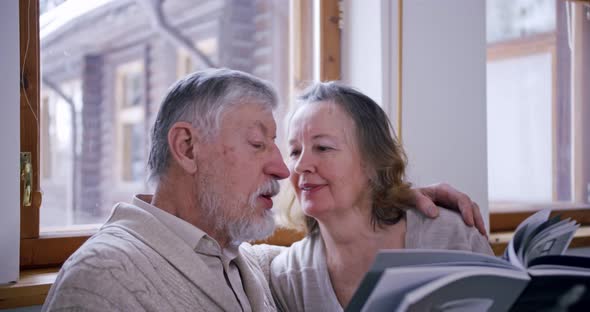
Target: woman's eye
x=294, y=153
x=323, y=148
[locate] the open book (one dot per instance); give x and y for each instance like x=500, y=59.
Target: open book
x=532, y=275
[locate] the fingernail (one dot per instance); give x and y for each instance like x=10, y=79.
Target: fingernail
x=432, y=211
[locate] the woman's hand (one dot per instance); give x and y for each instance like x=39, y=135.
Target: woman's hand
x=444, y=195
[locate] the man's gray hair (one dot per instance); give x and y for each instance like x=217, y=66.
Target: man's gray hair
x=201, y=98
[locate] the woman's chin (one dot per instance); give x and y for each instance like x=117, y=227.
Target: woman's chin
x=314, y=211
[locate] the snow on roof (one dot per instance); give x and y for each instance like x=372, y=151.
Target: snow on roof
x=64, y=14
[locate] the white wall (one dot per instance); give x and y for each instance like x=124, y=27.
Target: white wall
x=444, y=94
x=9, y=141
x=361, y=46
x=443, y=83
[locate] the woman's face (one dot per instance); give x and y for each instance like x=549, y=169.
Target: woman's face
x=326, y=168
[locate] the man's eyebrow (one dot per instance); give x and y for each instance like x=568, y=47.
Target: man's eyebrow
x=263, y=128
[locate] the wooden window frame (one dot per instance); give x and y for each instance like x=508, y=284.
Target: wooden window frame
x=39, y=250
x=504, y=221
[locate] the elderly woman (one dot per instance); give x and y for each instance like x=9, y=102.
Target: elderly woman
x=348, y=173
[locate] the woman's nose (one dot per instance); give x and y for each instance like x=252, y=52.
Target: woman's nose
x=304, y=163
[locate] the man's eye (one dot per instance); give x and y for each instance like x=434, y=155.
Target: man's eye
x=257, y=145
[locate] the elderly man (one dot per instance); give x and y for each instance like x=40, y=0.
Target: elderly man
x=216, y=168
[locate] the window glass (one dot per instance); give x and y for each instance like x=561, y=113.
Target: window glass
x=133, y=158
x=105, y=68
x=529, y=105
x=514, y=19
x=519, y=128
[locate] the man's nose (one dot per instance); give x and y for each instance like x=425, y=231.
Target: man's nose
x=277, y=166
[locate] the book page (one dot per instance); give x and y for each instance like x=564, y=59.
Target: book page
x=389, y=291
x=534, y=233
x=416, y=258
x=420, y=257
x=470, y=290
x=521, y=236
x=553, y=243
x=395, y=283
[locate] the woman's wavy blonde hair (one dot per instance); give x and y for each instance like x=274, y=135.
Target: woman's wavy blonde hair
x=380, y=151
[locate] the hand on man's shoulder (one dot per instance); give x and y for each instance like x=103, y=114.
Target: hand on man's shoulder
x=447, y=231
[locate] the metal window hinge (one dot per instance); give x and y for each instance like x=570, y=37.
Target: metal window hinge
x=26, y=175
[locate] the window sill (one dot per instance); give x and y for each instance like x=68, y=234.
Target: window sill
x=49, y=250
x=505, y=217
x=30, y=290
x=499, y=241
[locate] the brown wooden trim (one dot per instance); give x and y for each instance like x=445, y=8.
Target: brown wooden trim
x=329, y=40
x=283, y=237
x=509, y=220
x=521, y=47
x=31, y=289
x=29, y=108
x=499, y=241
x=302, y=43
x=53, y=250
x=563, y=179
x=48, y=251
x=400, y=66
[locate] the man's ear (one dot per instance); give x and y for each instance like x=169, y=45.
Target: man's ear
x=182, y=142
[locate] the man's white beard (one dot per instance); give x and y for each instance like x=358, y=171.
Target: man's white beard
x=247, y=229
x=248, y=226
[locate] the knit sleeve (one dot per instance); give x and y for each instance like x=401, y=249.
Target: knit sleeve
x=264, y=254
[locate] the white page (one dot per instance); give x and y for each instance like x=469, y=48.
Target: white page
x=488, y=289
x=418, y=257
x=390, y=289
x=555, y=243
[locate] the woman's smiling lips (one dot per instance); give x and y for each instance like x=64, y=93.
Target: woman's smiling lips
x=310, y=188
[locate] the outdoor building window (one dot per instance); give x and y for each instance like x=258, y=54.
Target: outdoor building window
x=133, y=158
x=185, y=64
x=60, y=115
x=131, y=134
x=121, y=74
x=124, y=70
